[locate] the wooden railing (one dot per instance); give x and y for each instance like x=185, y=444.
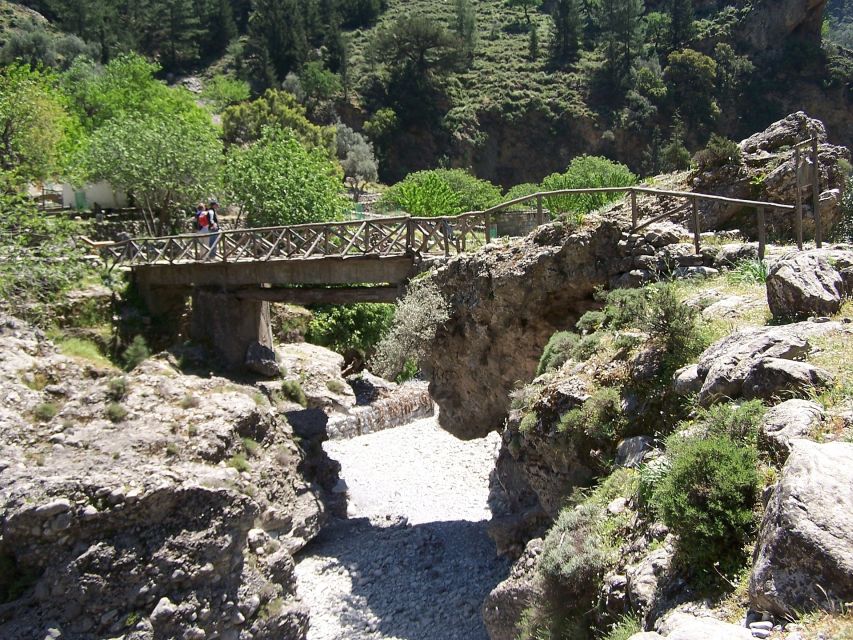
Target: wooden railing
x=396, y=236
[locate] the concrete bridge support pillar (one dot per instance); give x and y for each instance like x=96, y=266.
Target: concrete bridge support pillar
x=229, y=325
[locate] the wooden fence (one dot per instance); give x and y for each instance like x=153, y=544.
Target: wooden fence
x=395, y=236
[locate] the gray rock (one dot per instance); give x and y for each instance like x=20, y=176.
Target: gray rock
x=785, y=422
x=802, y=285
x=687, y=380
x=261, y=360
x=804, y=555
x=729, y=255
x=631, y=451
x=504, y=607
x=695, y=272
x=646, y=635
x=683, y=626
x=645, y=577
x=770, y=378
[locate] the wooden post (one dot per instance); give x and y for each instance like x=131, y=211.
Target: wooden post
x=798, y=216
x=818, y=231
x=762, y=237
x=540, y=214
x=445, y=232
x=696, y=238
x=488, y=220
x=634, y=213
x=410, y=236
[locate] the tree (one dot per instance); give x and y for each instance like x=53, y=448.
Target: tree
x=243, y=123
x=178, y=31
x=584, y=172
x=276, y=40
x=465, y=25
x=357, y=160
x=33, y=124
x=690, y=79
x=166, y=162
x=567, y=22
x=277, y=181
x=681, y=22
x=533, y=44
x=526, y=6
x=416, y=44
x=621, y=27
x=319, y=84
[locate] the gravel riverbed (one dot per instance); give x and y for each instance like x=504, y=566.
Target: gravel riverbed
x=412, y=561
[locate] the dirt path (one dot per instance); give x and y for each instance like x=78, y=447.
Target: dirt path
x=413, y=561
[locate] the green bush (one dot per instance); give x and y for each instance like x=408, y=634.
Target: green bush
x=575, y=555
x=239, y=462
x=423, y=193
x=292, y=390
x=586, y=347
x=45, y=412
x=528, y=422
x=748, y=272
x=708, y=496
x=559, y=349
x=585, y=172
x=251, y=447
x=626, y=627
x=719, y=152
x=351, y=329
x=116, y=412
x=601, y=417
x=474, y=194
x=738, y=422
x=117, y=388
x=674, y=325
x=135, y=353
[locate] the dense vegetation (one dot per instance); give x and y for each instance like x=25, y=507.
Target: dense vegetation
x=430, y=82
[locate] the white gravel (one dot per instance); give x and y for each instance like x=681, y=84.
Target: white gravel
x=413, y=560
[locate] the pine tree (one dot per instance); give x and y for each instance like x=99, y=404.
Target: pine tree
x=466, y=25
x=567, y=21
x=277, y=42
x=533, y=44
x=622, y=36
x=681, y=23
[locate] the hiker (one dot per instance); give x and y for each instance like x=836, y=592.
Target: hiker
x=202, y=221
x=213, y=227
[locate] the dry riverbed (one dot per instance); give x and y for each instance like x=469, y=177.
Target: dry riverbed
x=413, y=560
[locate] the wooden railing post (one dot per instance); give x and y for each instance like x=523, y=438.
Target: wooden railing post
x=762, y=234
x=445, y=232
x=818, y=231
x=488, y=219
x=696, y=237
x=798, y=217
x=410, y=236
x=634, y=213
x=540, y=213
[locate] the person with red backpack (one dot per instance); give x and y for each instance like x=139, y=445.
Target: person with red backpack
x=212, y=214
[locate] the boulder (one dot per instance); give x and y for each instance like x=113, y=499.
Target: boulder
x=728, y=255
x=318, y=371
x=684, y=626
x=645, y=578
x=802, y=285
x=804, y=555
x=631, y=451
x=786, y=422
x=770, y=378
x=261, y=360
x=723, y=367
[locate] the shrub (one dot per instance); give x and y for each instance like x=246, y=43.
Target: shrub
x=674, y=325
x=707, y=497
x=135, y=353
x=292, y=390
x=585, y=172
x=239, y=462
x=417, y=317
x=117, y=388
x=336, y=386
x=719, y=152
x=528, y=422
x=473, y=193
x=600, y=417
x=116, y=412
x=251, y=446
x=738, y=422
x=748, y=272
x=222, y=92
x=575, y=555
x=559, y=349
x=83, y=349
x=45, y=412
x=586, y=347
x=624, y=628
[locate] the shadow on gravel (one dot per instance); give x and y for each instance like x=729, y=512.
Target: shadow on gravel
x=421, y=582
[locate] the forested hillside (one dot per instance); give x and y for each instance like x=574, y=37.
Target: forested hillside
x=512, y=89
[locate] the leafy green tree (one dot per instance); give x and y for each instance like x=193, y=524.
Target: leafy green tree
x=567, y=29
x=277, y=181
x=277, y=41
x=166, y=162
x=243, y=123
x=526, y=6
x=320, y=85
x=353, y=330
x=585, y=172
x=733, y=73
x=33, y=124
x=690, y=79
x=474, y=193
x=416, y=44
x=675, y=156
x=658, y=27
x=423, y=193
x=125, y=86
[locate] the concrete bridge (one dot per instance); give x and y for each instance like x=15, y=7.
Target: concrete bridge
x=232, y=276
